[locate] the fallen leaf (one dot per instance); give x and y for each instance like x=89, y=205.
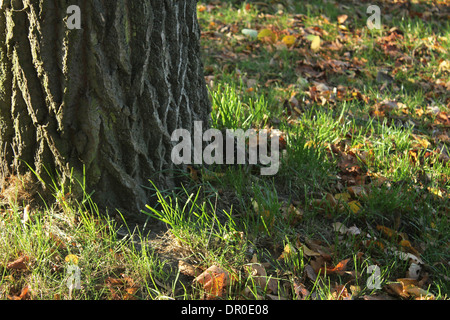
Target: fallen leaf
x=414, y=271
x=418, y=293
x=310, y=273
x=387, y=231
x=315, y=43
x=289, y=40
x=408, y=256
x=214, y=281
x=340, y=293
x=292, y=214
x=250, y=33
x=71, y=258
x=114, y=282
x=19, y=263
x=339, y=227
x=395, y=288
x=407, y=245
x=308, y=252
x=267, y=34
x=188, y=269
x=357, y=191
x=338, y=269
x=342, y=196
x=301, y=293
x=355, y=206
x=130, y=293
x=342, y=18
x=24, y=295
x=259, y=275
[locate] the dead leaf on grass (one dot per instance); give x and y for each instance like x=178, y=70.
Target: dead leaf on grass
x=259, y=275
x=214, y=280
x=338, y=269
x=24, y=295
x=19, y=264
x=188, y=269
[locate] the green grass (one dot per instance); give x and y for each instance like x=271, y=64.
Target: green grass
x=282, y=225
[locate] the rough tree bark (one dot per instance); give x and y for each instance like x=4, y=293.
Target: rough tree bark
x=105, y=98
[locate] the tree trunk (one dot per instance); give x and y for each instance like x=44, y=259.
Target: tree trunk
x=102, y=100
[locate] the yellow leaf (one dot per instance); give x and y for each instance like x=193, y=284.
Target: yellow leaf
x=423, y=142
x=355, y=206
x=307, y=251
x=289, y=40
x=342, y=196
x=387, y=231
x=315, y=44
x=287, y=252
x=267, y=33
x=435, y=191
x=418, y=293
x=71, y=258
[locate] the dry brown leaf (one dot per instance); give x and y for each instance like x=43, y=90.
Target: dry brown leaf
x=259, y=274
x=310, y=273
x=340, y=292
x=114, y=282
x=301, y=293
x=130, y=293
x=387, y=231
x=188, y=269
x=338, y=269
x=24, y=295
x=357, y=191
x=342, y=18
x=19, y=264
x=406, y=288
x=395, y=289
x=214, y=281
x=317, y=264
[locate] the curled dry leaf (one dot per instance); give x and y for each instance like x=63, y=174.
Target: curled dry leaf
x=407, y=288
x=24, y=295
x=414, y=271
x=408, y=256
x=341, y=228
x=300, y=290
x=19, y=263
x=214, y=281
x=311, y=274
x=340, y=292
x=188, y=269
x=259, y=275
x=338, y=269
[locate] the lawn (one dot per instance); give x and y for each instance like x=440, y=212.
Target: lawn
x=359, y=208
